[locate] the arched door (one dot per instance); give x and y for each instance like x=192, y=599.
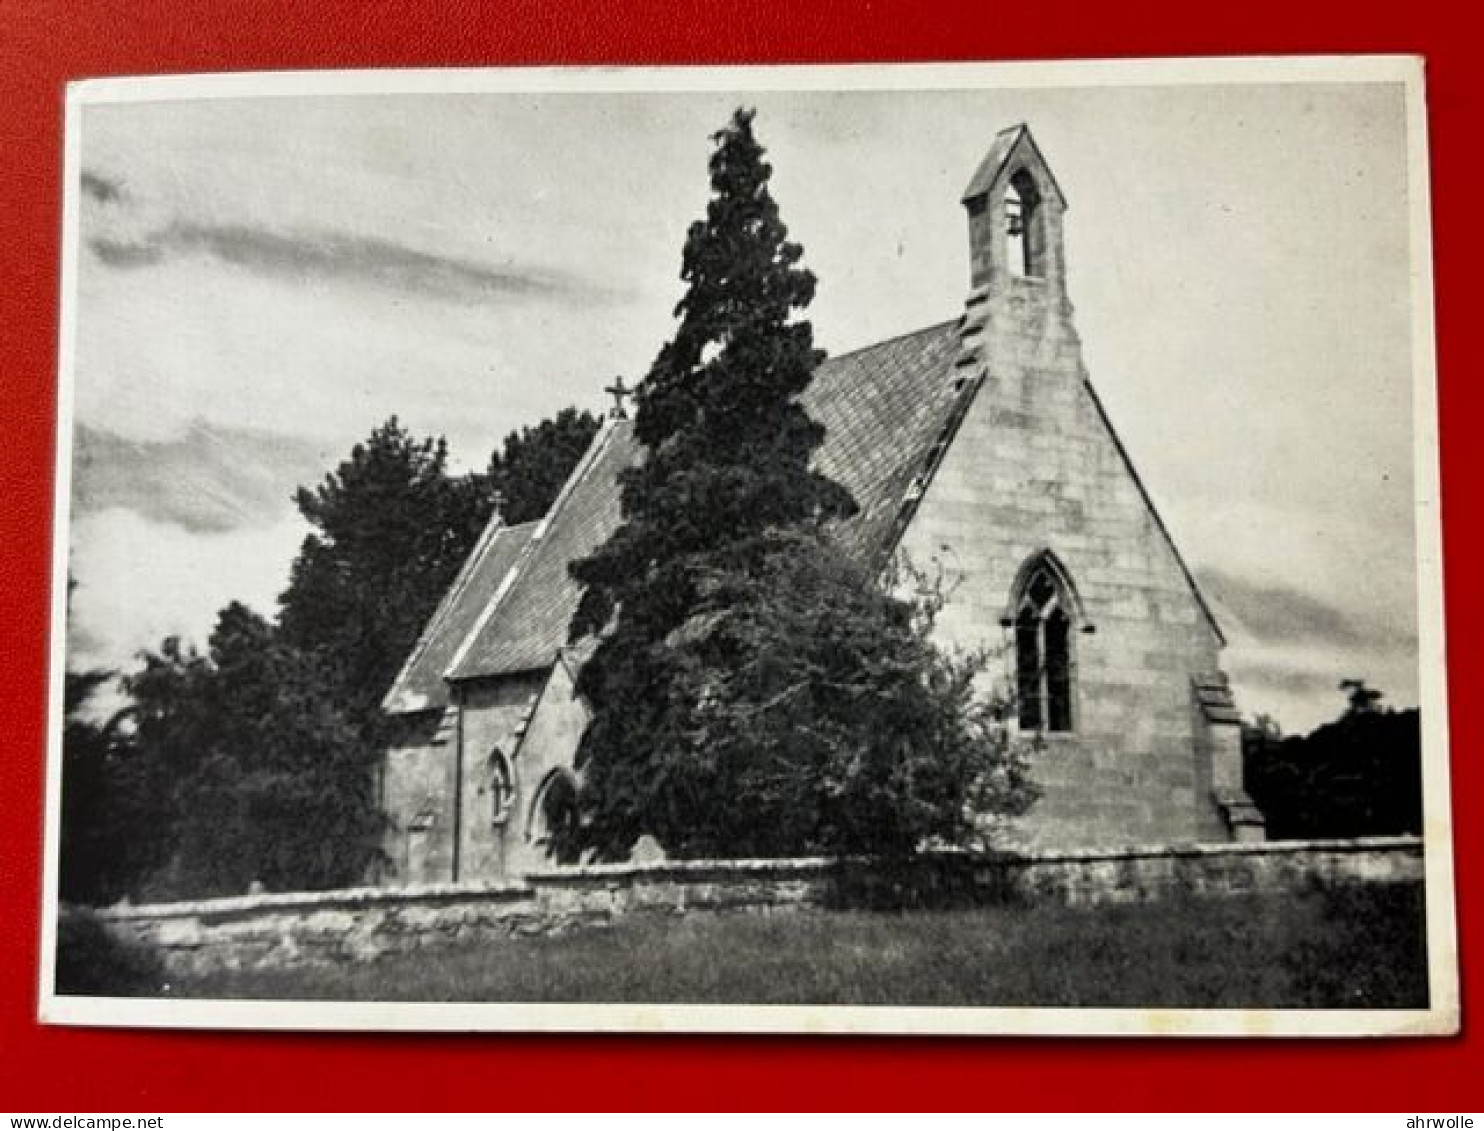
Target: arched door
x=555, y=818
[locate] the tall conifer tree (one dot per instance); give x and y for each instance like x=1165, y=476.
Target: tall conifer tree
x=726, y=443
x=726, y=449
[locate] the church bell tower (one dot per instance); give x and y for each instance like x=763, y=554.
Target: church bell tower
x=1017, y=328
x=1015, y=212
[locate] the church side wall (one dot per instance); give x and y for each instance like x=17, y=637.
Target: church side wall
x=417, y=797
x=495, y=713
x=549, y=747
x=1034, y=467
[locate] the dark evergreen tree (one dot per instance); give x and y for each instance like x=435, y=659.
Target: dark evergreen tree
x=115, y=803
x=808, y=711
x=727, y=444
x=746, y=678
x=726, y=452
x=267, y=779
x=526, y=475
x=392, y=528
x=115, y=800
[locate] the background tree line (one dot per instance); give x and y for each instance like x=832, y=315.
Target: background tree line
x=254, y=760
x=1359, y=775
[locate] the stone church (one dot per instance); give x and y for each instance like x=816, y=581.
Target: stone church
x=977, y=444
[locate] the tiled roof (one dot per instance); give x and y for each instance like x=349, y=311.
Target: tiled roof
x=525, y=629
x=419, y=686
x=884, y=409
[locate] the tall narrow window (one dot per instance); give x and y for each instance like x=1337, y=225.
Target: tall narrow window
x=1044, y=669
x=1028, y=668
x=502, y=788
x=1057, y=632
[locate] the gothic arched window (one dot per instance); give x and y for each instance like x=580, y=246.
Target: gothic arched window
x=502, y=787
x=1044, y=667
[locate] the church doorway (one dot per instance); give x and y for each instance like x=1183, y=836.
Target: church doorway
x=418, y=864
x=555, y=818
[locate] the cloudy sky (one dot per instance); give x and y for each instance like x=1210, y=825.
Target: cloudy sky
x=263, y=280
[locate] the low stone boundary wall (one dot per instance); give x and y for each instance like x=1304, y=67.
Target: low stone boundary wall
x=304, y=928
x=1139, y=874
x=364, y=923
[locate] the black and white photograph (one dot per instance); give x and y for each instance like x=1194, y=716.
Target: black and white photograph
x=921, y=549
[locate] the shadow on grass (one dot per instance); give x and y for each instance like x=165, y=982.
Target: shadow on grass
x=90, y=962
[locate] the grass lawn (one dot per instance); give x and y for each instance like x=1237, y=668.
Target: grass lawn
x=1360, y=948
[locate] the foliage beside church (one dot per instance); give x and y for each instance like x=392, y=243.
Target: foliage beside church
x=257, y=761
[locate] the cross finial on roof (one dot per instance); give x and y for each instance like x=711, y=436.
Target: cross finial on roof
x=619, y=392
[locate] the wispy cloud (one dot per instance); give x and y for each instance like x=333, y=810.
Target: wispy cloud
x=320, y=254
x=209, y=480
x=127, y=234
x=1280, y=678
x=1292, y=692
x=1279, y=615
x=139, y=581
x=102, y=187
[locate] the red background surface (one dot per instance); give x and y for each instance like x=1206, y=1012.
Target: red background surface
x=42, y=45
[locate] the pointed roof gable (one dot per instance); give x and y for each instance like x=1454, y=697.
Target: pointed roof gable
x=419, y=686
x=1009, y=145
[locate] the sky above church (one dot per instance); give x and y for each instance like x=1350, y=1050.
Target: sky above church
x=261, y=281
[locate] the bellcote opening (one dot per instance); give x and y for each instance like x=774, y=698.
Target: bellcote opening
x=1024, y=245
x=1015, y=214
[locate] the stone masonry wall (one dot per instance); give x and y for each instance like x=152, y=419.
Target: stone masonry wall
x=293, y=929
x=548, y=746
x=1035, y=467
x=417, y=788
x=495, y=713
